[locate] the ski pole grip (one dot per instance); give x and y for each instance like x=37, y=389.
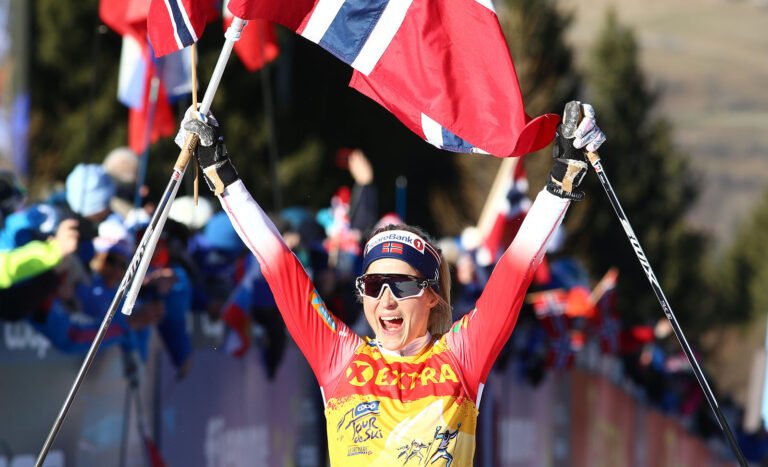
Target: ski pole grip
x=186, y=152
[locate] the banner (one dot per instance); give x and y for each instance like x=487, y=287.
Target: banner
x=227, y=413
x=602, y=423
x=36, y=379
x=524, y=420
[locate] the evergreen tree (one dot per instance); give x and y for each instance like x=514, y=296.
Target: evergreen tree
x=535, y=31
x=315, y=114
x=653, y=182
x=73, y=83
x=745, y=268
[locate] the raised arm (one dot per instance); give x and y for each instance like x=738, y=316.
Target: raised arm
x=324, y=340
x=479, y=336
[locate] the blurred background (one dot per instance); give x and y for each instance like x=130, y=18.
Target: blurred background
x=204, y=374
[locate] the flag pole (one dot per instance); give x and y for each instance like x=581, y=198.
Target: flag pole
x=141, y=176
x=594, y=159
x=266, y=91
x=506, y=172
x=138, y=266
x=164, y=208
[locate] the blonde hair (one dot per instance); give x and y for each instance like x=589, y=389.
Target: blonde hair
x=440, y=317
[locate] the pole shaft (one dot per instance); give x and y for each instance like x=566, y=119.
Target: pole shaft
x=160, y=213
x=163, y=209
x=128, y=279
x=594, y=159
x=141, y=175
x=269, y=115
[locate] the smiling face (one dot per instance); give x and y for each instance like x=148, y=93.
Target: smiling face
x=397, y=323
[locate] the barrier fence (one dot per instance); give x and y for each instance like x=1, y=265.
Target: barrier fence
x=227, y=413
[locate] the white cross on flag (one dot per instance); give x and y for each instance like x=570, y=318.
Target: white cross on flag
x=440, y=66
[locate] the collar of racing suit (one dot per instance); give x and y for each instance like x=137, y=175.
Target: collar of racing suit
x=409, y=350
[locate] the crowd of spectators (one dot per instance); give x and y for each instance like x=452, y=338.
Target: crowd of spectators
x=63, y=259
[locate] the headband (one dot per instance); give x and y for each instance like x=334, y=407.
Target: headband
x=405, y=246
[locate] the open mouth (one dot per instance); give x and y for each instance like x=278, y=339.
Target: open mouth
x=391, y=323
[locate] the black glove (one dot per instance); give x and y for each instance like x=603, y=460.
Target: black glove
x=212, y=155
x=577, y=131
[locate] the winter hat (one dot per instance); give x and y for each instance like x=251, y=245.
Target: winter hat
x=184, y=211
x=35, y=223
x=89, y=189
x=219, y=234
x=121, y=164
x=113, y=237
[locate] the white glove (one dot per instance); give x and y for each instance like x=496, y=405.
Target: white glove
x=193, y=114
x=588, y=134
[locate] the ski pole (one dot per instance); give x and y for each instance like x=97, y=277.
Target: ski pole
x=594, y=159
x=138, y=266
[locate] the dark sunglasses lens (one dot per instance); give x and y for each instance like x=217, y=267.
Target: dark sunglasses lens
x=372, y=285
x=401, y=286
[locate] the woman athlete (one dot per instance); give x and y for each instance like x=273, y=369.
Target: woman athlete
x=409, y=396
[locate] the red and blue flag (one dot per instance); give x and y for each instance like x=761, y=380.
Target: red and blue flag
x=440, y=66
x=175, y=24
x=258, y=42
x=553, y=310
x=606, y=324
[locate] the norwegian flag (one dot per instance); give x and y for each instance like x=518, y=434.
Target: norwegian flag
x=125, y=16
x=236, y=314
x=238, y=321
x=440, y=66
x=258, y=42
x=550, y=307
x=138, y=67
x=393, y=247
x=175, y=24
x=606, y=325
x=507, y=204
x=147, y=123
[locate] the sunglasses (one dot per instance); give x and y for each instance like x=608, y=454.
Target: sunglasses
x=401, y=286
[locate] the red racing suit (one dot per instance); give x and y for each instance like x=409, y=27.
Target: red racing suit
x=384, y=410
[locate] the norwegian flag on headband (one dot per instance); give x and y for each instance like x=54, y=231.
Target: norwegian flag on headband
x=440, y=66
x=175, y=24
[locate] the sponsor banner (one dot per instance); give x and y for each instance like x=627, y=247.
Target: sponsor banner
x=227, y=412
x=667, y=443
x=609, y=427
x=603, y=422
x=19, y=342
x=524, y=421
x=36, y=380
